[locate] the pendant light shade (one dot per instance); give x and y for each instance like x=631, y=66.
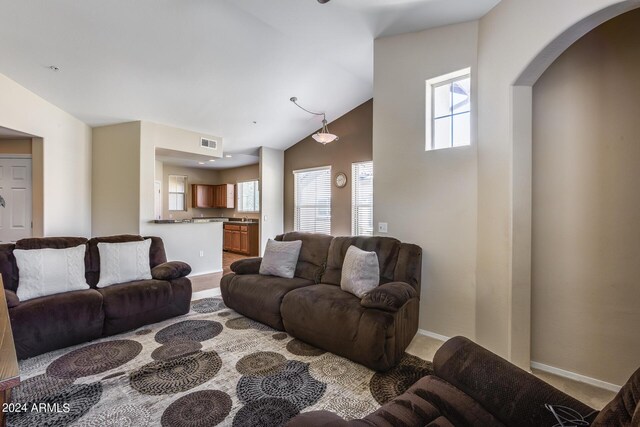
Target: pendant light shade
x=323, y=136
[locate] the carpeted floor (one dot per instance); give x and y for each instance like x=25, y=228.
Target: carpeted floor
x=210, y=367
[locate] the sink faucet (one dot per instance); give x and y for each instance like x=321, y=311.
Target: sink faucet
x=244, y=219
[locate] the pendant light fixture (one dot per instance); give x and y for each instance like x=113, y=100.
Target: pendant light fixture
x=323, y=136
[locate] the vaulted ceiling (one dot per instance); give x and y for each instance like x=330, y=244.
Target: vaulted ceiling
x=212, y=66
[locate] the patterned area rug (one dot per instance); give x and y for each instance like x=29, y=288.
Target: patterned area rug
x=209, y=367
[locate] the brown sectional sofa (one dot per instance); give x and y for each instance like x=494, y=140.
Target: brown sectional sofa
x=373, y=331
x=47, y=323
x=473, y=387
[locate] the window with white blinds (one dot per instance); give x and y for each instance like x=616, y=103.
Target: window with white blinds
x=312, y=200
x=362, y=199
x=248, y=196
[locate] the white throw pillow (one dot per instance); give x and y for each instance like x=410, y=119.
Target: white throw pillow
x=124, y=262
x=50, y=271
x=280, y=258
x=360, y=272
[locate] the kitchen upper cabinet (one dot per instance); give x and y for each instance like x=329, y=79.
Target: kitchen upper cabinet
x=202, y=196
x=213, y=196
x=224, y=196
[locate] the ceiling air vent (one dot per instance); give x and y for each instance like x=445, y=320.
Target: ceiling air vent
x=209, y=143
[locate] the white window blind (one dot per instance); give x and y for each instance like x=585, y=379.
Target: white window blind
x=177, y=193
x=312, y=196
x=362, y=199
x=248, y=196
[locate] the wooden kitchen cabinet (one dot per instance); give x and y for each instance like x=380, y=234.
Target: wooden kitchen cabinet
x=224, y=196
x=241, y=238
x=213, y=196
x=202, y=196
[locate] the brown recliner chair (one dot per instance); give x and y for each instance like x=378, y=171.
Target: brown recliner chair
x=473, y=387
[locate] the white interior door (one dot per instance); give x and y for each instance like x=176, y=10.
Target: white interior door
x=15, y=189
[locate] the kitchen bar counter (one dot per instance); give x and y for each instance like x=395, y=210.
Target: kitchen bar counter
x=204, y=221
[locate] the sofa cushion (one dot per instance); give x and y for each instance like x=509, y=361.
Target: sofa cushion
x=127, y=299
x=280, y=258
x=55, y=321
x=259, y=297
x=313, y=253
x=624, y=409
x=171, y=270
x=50, y=242
x=386, y=248
x=11, y=298
x=48, y=271
x=8, y=267
x=327, y=317
x=360, y=272
x=123, y=262
x=93, y=268
x=389, y=297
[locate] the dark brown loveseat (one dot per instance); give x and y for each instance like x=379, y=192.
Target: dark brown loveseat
x=473, y=387
x=373, y=331
x=61, y=320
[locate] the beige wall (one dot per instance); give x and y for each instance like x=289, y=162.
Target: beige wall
x=233, y=176
x=65, y=155
x=427, y=197
x=194, y=176
x=115, y=180
x=586, y=233
x=355, y=145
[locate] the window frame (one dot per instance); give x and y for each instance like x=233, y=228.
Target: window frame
x=296, y=215
x=431, y=85
x=257, y=190
x=355, y=208
x=183, y=193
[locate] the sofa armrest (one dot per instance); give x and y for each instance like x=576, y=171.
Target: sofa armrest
x=318, y=419
x=170, y=270
x=389, y=297
x=493, y=382
x=12, y=298
x=247, y=266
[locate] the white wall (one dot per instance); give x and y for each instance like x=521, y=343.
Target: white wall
x=66, y=157
x=427, y=197
x=271, y=194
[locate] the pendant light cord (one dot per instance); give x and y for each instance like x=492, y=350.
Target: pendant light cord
x=295, y=101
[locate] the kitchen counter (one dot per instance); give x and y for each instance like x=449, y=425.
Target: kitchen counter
x=204, y=220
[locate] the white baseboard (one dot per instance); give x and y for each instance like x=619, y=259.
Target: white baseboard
x=209, y=293
x=432, y=335
x=203, y=273
x=576, y=377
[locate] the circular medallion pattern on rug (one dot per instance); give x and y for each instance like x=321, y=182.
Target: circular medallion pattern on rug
x=94, y=359
x=279, y=336
x=79, y=398
x=176, y=375
x=37, y=388
x=335, y=369
x=200, y=409
x=189, y=330
x=208, y=305
x=388, y=385
x=269, y=411
x=143, y=332
x=350, y=408
x=293, y=384
x=301, y=348
x=120, y=416
x=224, y=313
x=175, y=349
x=261, y=363
x=245, y=323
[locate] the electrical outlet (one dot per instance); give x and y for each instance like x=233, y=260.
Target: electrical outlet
x=264, y=218
x=201, y=253
x=382, y=227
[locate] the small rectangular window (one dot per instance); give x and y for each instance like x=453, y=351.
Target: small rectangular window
x=248, y=196
x=312, y=200
x=177, y=193
x=448, y=107
x=362, y=199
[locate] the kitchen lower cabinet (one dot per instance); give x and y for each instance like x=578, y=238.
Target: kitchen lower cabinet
x=241, y=238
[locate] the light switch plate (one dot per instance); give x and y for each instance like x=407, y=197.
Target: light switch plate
x=382, y=227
